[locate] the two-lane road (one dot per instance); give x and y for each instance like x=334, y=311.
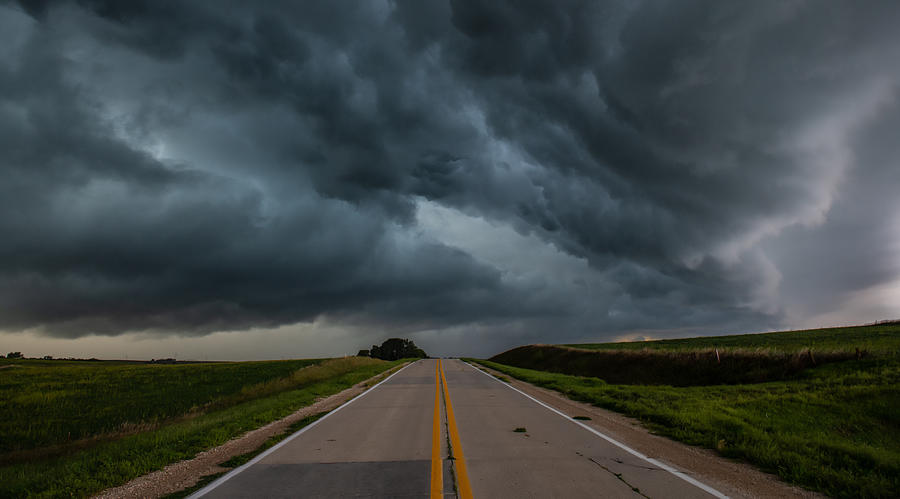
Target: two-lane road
x=396, y=440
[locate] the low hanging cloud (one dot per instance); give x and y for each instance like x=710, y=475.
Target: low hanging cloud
x=543, y=170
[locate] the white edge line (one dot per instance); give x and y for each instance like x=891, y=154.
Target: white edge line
x=209, y=488
x=613, y=441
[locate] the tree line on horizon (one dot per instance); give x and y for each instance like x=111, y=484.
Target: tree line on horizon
x=394, y=349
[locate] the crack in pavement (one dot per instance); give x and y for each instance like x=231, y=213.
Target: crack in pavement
x=623, y=463
x=620, y=477
x=631, y=465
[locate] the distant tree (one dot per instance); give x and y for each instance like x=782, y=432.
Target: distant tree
x=396, y=348
x=48, y=357
x=363, y=353
x=14, y=355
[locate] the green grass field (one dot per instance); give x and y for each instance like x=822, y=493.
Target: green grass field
x=46, y=403
x=831, y=427
x=883, y=339
x=160, y=414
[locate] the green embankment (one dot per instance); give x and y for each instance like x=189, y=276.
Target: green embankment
x=166, y=413
x=881, y=339
x=832, y=427
x=661, y=367
x=751, y=358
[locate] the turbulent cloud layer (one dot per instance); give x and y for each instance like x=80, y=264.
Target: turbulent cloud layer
x=533, y=170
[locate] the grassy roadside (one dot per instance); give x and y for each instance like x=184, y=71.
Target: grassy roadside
x=111, y=463
x=834, y=428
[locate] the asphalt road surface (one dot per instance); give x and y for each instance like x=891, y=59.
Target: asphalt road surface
x=446, y=429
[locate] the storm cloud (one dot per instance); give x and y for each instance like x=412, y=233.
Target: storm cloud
x=531, y=171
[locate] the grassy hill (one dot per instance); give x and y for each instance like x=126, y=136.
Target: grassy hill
x=879, y=339
x=749, y=358
x=831, y=426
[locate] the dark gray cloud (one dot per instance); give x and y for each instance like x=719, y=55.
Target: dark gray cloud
x=533, y=170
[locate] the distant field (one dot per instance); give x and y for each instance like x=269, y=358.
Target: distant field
x=45, y=403
x=132, y=419
x=831, y=426
x=876, y=339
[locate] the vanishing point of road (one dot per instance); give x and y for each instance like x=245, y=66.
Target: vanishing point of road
x=446, y=429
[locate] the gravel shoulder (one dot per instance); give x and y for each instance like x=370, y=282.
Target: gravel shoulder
x=732, y=478
x=184, y=474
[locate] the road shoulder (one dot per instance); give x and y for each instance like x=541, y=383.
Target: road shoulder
x=732, y=478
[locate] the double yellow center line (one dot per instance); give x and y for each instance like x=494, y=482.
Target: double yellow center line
x=464, y=490
x=437, y=474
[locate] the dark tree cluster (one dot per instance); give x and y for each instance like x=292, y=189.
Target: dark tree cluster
x=163, y=361
x=393, y=349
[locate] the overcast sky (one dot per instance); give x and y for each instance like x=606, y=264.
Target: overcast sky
x=239, y=180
